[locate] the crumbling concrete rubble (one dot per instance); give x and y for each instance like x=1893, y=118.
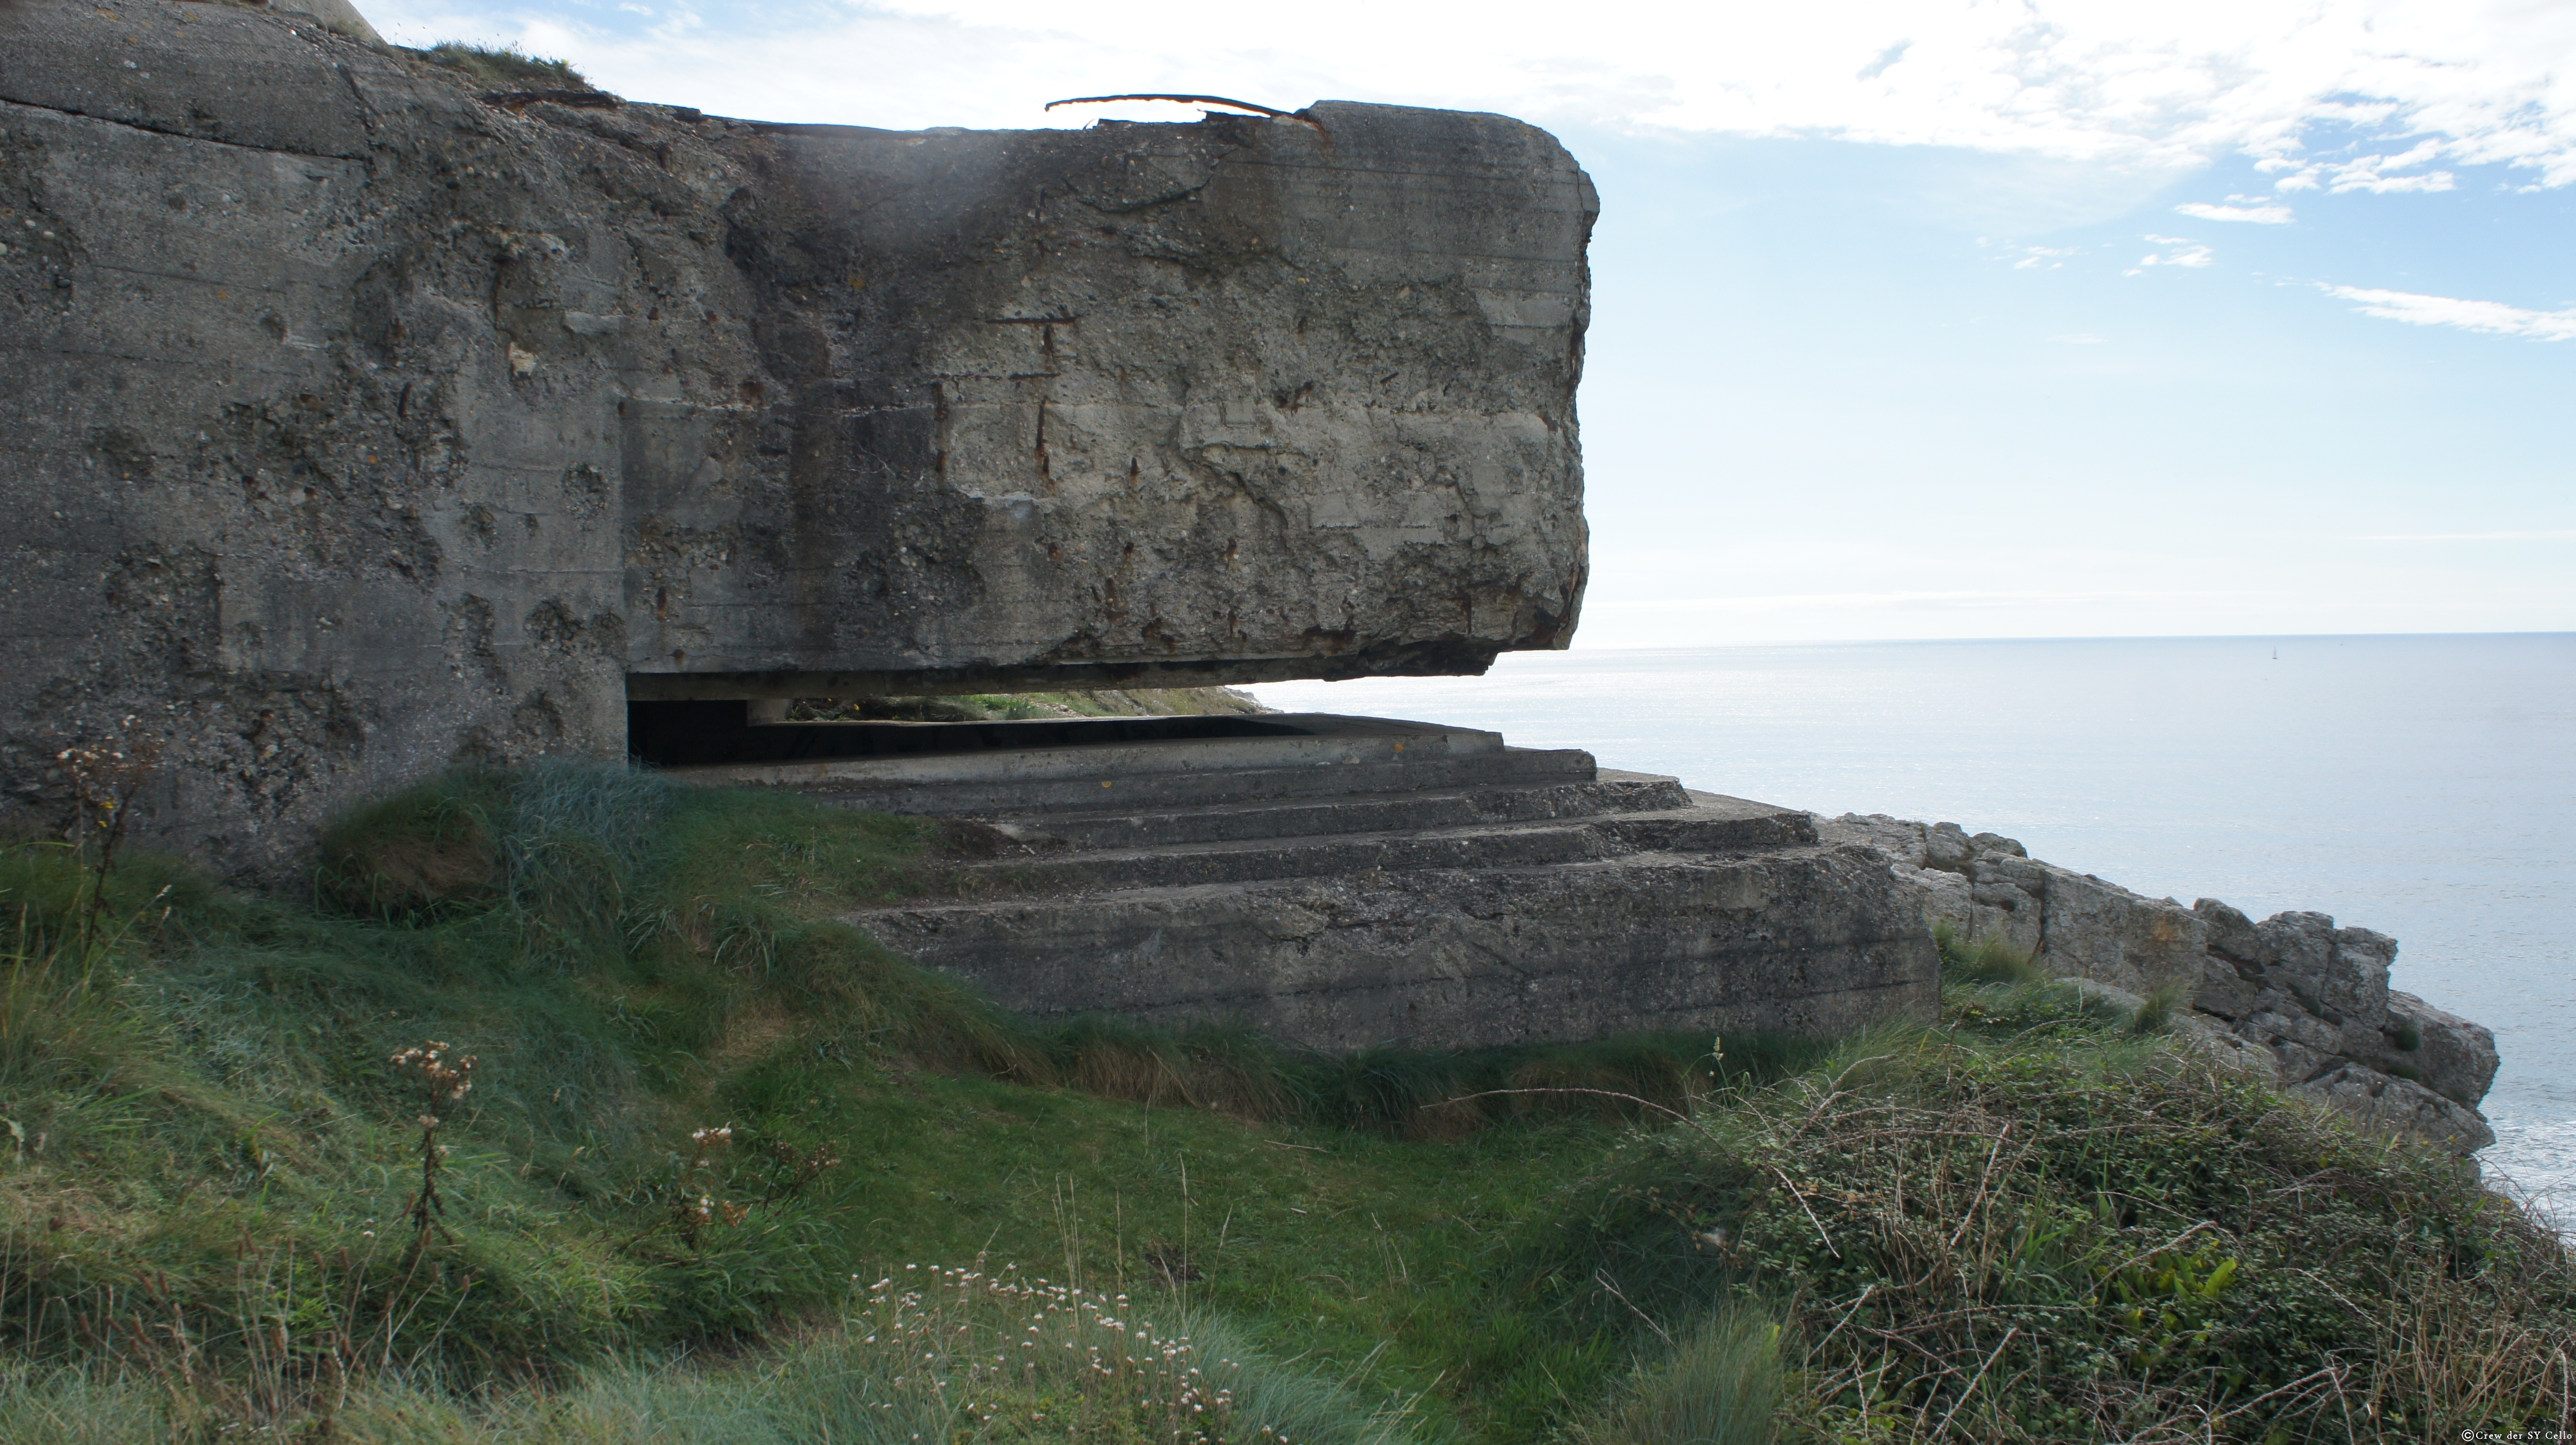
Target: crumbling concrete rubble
x=2293, y=996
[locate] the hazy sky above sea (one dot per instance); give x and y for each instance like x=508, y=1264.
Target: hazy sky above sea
x=1942, y=318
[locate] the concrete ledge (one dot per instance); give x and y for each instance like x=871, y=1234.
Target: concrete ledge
x=1728, y=825
x=1303, y=740
x=1513, y=767
x=1122, y=826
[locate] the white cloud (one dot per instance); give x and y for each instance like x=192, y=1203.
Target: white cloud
x=2493, y=317
x=2184, y=252
x=2383, y=185
x=2170, y=85
x=2259, y=215
x=2034, y=257
x=2565, y=535
x=2366, y=173
x=2371, y=173
x=1911, y=601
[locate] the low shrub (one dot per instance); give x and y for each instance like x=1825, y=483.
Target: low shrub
x=2069, y=1233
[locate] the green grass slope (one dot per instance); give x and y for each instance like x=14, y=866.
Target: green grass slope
x=728, y=1171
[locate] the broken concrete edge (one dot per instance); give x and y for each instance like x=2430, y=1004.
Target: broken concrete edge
x=2293, y=999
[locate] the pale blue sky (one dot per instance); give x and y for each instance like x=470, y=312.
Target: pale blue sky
x=1878, y=347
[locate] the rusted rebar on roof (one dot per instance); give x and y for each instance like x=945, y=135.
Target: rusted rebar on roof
x=1271, y=111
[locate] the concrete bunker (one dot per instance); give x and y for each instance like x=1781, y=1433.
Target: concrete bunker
x=363, y=425
x=354, y=425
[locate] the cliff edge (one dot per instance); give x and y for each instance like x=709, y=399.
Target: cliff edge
x=2293, y=998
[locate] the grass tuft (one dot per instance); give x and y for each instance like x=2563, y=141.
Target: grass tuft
x=1990, y=959
x=506, y=68
x=415, y=857
x=2162, y=1007
x=1722, y=1384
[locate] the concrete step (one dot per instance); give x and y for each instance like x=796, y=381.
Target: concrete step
x=1805, y=940
x=1254, y=859
x=1711, y=824
x=1175, y=789
x=1343, y=882
x=1123, y=827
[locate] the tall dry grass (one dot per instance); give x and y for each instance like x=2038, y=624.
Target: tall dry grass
x=936, y=1354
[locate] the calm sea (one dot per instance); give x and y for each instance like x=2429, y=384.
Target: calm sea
x=2421, y=786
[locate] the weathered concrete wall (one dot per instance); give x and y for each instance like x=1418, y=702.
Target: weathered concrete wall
x=351, y=426
x=1249, y=396
x=1811, y=942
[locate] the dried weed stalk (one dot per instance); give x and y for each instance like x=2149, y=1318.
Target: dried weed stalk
x=443, y=1078
x=105, y=779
